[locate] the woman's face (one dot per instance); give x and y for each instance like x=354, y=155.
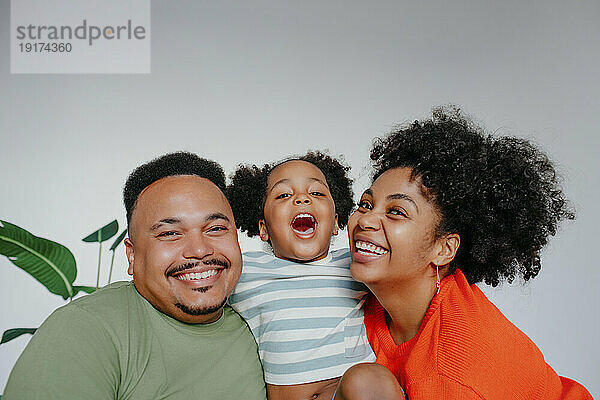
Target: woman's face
x=392, y=233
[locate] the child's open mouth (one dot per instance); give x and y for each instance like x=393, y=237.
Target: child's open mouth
x=304, y=225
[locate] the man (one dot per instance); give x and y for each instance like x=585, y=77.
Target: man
x=167, y=335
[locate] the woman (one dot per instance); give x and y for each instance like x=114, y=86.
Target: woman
x=449, y=207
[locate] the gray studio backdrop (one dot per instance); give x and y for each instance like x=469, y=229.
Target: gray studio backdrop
x=256, y=81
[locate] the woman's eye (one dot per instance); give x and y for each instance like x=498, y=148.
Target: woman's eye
x=283, y=196
x=396, y=211
x=317, y=194
x=364, y=204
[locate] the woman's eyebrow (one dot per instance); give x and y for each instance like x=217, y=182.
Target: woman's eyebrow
x=401, y=196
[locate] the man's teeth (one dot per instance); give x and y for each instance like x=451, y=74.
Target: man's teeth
x=191, y=276
x=369, y=248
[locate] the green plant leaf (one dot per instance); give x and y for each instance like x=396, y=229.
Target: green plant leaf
x=11, y=334
x=106, y=232
x=87, y=289
x=118, y=240
x=51, y=263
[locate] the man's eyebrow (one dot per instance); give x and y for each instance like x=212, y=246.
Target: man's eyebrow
x=165, y=221
x=217, y=215
x=401, y=196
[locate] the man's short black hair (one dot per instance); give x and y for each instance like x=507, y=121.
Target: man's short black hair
x=171, y=164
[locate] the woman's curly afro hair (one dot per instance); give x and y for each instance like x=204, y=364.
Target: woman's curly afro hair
x=500, y=194
x=248, y=189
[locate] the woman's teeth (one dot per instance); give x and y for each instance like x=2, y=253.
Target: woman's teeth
x=369, y=248
x=192, y=276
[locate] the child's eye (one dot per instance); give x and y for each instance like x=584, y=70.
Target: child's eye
x=364, y=204
x=283, y=196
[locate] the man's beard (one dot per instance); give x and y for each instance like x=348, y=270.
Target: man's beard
x=201, y=310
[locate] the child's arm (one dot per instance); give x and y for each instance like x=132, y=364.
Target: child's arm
x=321, y=390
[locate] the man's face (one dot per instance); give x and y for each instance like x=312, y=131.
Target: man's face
x=183, y=250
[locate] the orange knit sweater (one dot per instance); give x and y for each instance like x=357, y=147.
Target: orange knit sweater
x=466, y=349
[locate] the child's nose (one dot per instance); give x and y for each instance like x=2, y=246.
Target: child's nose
x=302, y=199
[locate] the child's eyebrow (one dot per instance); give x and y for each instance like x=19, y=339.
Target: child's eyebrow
x=286, y=180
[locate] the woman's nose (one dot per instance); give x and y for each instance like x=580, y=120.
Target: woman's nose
x=369, y=221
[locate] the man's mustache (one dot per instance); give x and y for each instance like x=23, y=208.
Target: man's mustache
x=195, y=264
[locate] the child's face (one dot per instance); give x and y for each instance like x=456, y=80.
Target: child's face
x=299, y=212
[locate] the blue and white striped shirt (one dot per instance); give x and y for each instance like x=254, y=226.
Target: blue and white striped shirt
x=307, y=318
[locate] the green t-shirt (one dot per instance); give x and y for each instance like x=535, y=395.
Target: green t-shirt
x=114, y=345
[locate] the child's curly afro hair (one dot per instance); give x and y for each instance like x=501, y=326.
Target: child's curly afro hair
x=500, y=194
x=248, y=189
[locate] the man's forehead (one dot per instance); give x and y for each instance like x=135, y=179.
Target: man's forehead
x=186, y=191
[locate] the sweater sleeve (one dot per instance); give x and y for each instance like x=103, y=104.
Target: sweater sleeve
x=572, y=390
x=71, y=356
x=441, y=388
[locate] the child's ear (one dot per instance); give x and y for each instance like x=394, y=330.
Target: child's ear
x=336, y=226
x=262, y=230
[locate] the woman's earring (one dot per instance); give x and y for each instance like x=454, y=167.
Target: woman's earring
x=437, y=280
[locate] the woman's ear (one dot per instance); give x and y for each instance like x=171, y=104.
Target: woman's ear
x=336, y=226
x=262, y=230
x=449, y=245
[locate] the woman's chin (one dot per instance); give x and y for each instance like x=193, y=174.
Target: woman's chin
x=363, y=273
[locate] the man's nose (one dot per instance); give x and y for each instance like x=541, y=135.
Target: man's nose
x=197, y=246
x=302, y=198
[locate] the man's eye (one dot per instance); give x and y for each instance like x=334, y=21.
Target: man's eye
x=283, y=196
x=167, y=234
x=364, y=204
x=217, y=229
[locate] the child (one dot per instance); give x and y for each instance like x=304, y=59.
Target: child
x=301, y=303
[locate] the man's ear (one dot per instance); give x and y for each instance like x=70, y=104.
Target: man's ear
x=336, y=226
x=129, y=251
x=449, y=245
x=262, y=230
